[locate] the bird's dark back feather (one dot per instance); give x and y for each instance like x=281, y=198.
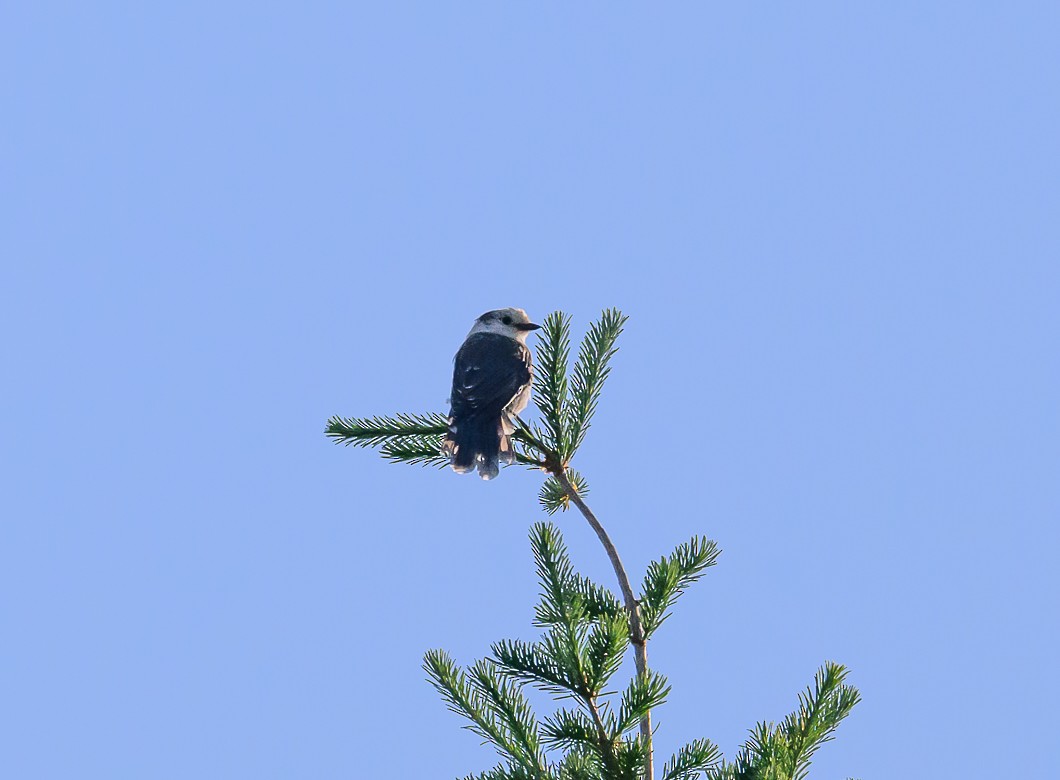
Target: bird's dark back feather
x=489, y=372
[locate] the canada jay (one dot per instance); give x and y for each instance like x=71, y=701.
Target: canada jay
x=492, y=376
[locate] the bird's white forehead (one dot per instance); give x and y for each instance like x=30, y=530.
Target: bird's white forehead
x=504, y=322
x=517, y=316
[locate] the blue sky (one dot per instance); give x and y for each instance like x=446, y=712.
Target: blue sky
x=834, y=230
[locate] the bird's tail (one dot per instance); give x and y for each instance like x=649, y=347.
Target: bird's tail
x=479, y=442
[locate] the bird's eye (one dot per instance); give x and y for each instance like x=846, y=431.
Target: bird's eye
x=507, y=320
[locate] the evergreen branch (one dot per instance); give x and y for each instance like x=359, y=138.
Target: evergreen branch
x=593, y=602
x=726, y=770
x=596, y=601
x=554, y=571
x=416, y=449
x=518, y=717
x=565, y=642
x=527, y=455
x=820, y=711
x=562, y=662
x=764, y=756
x=373, y=431
x=532, y=663
x=506, y=772
x=605, y=646
x=529, y=440
x=410, y=438
x=702, y=755
x=783, y=752
x=606, y=739
x=667, y=578
x=553, y=497
x=427, y=450
x=636, y=628
x=565, y=611
x=461, y=698
x=567, y=598
x=550, y=376
x=570, y=729
x=631, y=760
x=581, y=764
x=531, y=436
x=587, y=380
x=644, y=693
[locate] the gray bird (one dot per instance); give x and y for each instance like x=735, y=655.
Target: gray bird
x=492, y=376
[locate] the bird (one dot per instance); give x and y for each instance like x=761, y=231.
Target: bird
x=492, y=379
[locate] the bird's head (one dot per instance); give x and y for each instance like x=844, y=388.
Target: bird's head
x=513, y=323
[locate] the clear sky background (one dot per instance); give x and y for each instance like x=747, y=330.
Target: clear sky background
x=834, y=228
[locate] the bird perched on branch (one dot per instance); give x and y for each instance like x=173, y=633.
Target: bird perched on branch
x=492, y=377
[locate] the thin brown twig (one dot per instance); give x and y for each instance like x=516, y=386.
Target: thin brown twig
x=606, y=745
x=636, y=627
x=555, y=466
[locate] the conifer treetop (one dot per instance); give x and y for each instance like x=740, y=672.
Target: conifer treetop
x=602, y=732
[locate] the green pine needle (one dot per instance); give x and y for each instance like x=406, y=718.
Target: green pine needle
x=820, y=711
x=374, y=431
x=417, y=449
x=581, y=764
x=554, y=571
x=452, y=684
x=514, y=711
x=533, y=663
x=644, y=693
x=595, y=601
x=587, y=379
x=553, y=497
x=784, y=750
x=605, y=646
x=550, y=377
x=690, y=761
x=564, y=593
x=668, y=577
x=507, y=772
x=631, y=757
x=497, y=711
x=570, y=730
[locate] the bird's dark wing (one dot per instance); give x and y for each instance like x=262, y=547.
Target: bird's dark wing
x=488, y=372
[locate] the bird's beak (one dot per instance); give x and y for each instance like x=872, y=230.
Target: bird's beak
x=527, y=326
